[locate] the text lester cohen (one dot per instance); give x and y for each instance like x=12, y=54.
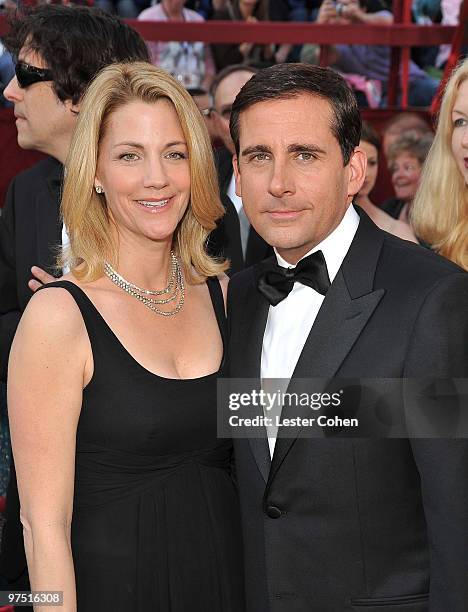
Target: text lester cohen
x=265, y=421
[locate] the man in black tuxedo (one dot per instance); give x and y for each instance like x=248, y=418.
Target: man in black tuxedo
x=334, y=524
x=59, y=49
x=233, y=238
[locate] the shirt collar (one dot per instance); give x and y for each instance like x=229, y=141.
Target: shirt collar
x=335, y=246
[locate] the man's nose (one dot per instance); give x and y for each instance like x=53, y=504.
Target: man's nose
x=281, y=182
x=13, y=92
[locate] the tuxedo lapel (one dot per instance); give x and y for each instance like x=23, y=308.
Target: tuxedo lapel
x=48, y=222
x=347, y=308
x=255, y=318
x=339, y=323
x=254, y=322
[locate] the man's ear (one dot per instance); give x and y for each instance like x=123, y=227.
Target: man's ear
x=235, y=166
x=357, y=171
x=73, y=108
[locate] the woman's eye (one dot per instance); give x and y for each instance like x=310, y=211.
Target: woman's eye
x=128, y=156
x=176, y=155
x=460, y=122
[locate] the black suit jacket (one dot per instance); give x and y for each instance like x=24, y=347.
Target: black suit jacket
x=225, y=240
x=30, y=233
x=365, y=525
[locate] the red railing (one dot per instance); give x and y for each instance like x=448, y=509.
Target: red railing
x=399, y=36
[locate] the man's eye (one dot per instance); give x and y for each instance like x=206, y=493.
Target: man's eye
x=306, y=156
x=259, y=157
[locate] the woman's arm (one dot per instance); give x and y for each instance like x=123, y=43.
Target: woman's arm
x=47, y=371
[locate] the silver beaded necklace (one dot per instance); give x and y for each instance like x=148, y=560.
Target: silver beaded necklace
x=175, y=289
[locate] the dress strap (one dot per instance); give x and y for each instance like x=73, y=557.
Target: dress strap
x=91, y=316
x=80, y=297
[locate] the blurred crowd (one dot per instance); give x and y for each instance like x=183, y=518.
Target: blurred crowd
x=366, y=68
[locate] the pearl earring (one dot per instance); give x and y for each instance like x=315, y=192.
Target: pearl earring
x=99, y=189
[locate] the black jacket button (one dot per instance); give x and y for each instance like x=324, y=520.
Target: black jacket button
x=273, y=512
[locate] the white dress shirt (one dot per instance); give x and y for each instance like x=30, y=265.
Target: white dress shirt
x=289, y=322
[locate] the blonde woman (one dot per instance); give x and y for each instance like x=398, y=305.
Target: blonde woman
x=127, y=500
x=440, y=210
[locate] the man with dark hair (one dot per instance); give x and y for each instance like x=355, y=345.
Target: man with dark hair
x=233, y=238
x=58, y=51
x=344, y=523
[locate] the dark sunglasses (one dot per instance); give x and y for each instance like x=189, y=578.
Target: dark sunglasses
x=27, y=75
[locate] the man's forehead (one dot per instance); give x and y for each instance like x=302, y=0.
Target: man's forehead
x=285, y=119
x=293, y=101
x=202, y=101
x=230, y=86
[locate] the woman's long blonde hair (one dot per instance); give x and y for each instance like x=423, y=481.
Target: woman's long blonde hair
x=85, y=212
x=440, y=210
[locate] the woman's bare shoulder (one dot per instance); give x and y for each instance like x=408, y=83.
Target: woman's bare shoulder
x=52, y=311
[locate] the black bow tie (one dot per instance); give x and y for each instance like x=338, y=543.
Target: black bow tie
x=276, y=283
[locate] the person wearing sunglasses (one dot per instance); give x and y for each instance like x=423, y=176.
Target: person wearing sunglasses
x=6, y=72
x=58, y=51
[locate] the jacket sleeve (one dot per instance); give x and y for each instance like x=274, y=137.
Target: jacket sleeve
x=10, y=312
x=439, y=349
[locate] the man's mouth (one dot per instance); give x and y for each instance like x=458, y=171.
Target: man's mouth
x=284, y=211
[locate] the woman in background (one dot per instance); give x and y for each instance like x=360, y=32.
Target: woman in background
x=191, y=63
x=249, y=11
x=440, y=210
x=370, y=142
x=406, y=157
x=126, y=493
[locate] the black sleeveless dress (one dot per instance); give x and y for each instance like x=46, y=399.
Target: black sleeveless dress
x=155, y=518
